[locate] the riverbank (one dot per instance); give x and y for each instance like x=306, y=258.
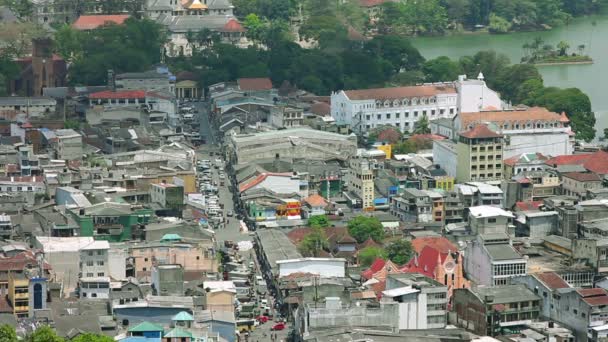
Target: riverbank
x=563, y=63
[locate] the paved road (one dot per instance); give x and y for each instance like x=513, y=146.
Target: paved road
x=231, y=230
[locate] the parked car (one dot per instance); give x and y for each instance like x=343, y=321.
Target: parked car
x=230, y=213
x=262, y=319
x=278, y=326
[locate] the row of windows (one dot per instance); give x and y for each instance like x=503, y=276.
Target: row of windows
x=484, y=176
x=483, y=148
x=16, y=188
x=388, y=116
x=483, y=167
x=90, y=263
x=509, y=269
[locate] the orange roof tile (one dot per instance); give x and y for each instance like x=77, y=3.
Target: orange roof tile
x=439, y=243
x=582, y=176
x=316, y=201
x=124, y=94
x=552, y=280
x=597, y=163
x=263, y=83
x=233, y=26
x=530, y=114
x=480, y=132
x=91, y=22
x=399, y=92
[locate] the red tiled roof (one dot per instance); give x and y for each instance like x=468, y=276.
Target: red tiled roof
x=321, y=108
x=515, y=116
x=594, y=297
x=20, y=261
x=515, y=159
x=91, y=22
x=597, y=163
x=368, y=243
x=528, y=205
x=316, y=201
x=573, y=159
x=254, y=83
x=233, y=26
x=397, y=93
x=582, y=176
x=552, y=280
x=563, y=117
x=480, y=131
x=334, y=234
x=439, y=243
x=376, y=266
x=260, y=178
x=426, y=262
x=122, y=94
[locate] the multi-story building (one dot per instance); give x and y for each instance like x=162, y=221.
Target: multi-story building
x=528, y=130
x=94, y=288
x=523, y=163
x=67, y=144
x=33, y=106
x=168, y=280
x=360, y=181
x=487, y=219
x=66, y=11
x=492, y=260
x=94, y=261
x=29, y=163
x=6, y=227
x=413, y=205
x=110, y=221
x=496, y=310
x=283, y=116
x=577, y=183
x=194, y=258
x=422, y=301
x=401, y=107
x=170, y=196
x=479, y=155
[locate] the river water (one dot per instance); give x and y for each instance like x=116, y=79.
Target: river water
x=592, y=31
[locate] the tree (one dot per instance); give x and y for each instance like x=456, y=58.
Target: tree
x=605, y=133
x=422, y=126
x=364, y=227
x=424, y=17
x=89, y=337
x=7, y=333
x=563, y=47
x=255, y=27
x=399, y=251
x=406, y=147
x=318, y=221
x=68, y=43
x=499, y=24
x=314, y=243
x=23, y=9
x=530, y=89
x=368, y=255
x=512, y=77
x=385, y=133
x=441, y=69
x=43, y=334
x=397, y=50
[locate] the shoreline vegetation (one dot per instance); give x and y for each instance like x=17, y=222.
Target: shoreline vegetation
x=538, y=53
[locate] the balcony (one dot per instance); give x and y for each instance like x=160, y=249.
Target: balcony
x=25, y=295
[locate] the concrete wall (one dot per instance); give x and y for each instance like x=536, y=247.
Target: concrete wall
x=474, y=95
x=445, y=157
x=477, y=264
x=280, y=184
x=117, y=260
x=385, y=316
x=549, y=143
x=325, y=268
x=153, y=315
x=94, y=263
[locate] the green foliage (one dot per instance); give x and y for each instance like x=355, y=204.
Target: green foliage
x=364, y=227
x=512, y=77
x=269, y=9
x=441, y=69
x=413, y=17
x=7, y=333
x=413, y=145
x=314, y=243
x=385, y=133
x=400, y=251
x=255, y=27
x=73, y=124
x=319, y=221
x=368, y=255
x=43, y=334
x=422, y=126
x=89, y=337
x=134, y=46
x=574, y=103
x=498, y=24
x=22, y=9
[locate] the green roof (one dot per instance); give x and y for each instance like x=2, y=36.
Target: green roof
x=183, y=316
x=170, y=237
x=178, y=333
x=146, y=326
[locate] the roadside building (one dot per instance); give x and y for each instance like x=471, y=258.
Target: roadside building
x=360, y=182
x=491, y=260
x=479, y=155
x=496, y=310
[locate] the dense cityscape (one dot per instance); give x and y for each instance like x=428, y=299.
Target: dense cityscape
x=303, y=171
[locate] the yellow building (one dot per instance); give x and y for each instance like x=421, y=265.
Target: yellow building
x=19, y=294
x=444, y=183
x=387, y=149
x=479, y=155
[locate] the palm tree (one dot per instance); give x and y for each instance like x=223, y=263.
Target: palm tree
x=422, y=126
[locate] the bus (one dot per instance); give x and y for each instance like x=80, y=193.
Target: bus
x=243, y=325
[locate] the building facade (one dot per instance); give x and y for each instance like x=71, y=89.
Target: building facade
x=492, y=260
x=479, y=155
x=360, y=180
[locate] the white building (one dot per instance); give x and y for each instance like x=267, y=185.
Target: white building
x=33, y=106
x=286, y=116
x=404, y=106
x=94, y=288
x=401, y=107
x=527, y=130
x=68, y=144
x=94, y=260
x=492, y=260
x=324, y=267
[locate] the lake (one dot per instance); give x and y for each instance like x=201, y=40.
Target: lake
x=592, y=31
